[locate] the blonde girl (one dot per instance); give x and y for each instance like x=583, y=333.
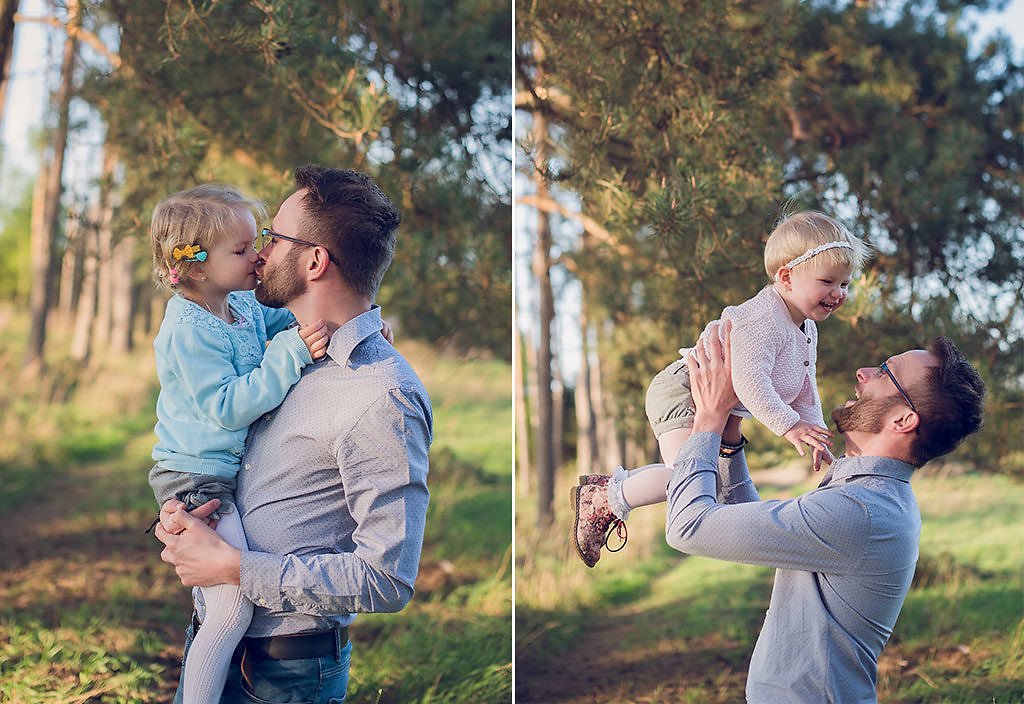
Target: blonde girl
x=217, y=375
x=810, y=259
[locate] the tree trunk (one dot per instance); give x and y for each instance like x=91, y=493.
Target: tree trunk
x=104, y=251
x=122, y=266
x=39, y=268
x=41, y=297
x=608, y=437
x=557, y=415
x=545, y=462
x=587, y=454
x=72, y=265
x=523, y=438
x=86, y=312
x=7, y=10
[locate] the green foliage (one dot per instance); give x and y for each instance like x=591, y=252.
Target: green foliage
x=15, y=228
x=416, y=96
x=957, y=638
x=686, y=129
x=91, y=613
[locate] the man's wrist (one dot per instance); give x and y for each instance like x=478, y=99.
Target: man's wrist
x=708, y=422
x=231, y=568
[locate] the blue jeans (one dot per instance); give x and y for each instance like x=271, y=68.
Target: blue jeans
x=312, y=681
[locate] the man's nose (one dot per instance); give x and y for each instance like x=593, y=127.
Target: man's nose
x=863, y=374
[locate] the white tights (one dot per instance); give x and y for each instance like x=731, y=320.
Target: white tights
x=646, y=485
x=228, y=614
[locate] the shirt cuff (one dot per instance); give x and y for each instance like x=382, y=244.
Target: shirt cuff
x=260, y=579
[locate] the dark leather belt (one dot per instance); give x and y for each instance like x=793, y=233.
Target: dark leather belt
x=300, y=646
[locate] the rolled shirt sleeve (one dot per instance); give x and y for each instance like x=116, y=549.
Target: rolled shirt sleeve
x=818, y=532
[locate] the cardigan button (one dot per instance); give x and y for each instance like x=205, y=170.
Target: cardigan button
x=807, y=364
x=808, y=340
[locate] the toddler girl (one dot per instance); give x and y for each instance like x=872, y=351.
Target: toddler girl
x=215, y=379
x=810, y=258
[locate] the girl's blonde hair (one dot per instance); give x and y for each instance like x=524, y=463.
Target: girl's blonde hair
x=796, y=234
x=200, y=217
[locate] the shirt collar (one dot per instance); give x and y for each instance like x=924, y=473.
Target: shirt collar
x=846, y=467
x=346, y=338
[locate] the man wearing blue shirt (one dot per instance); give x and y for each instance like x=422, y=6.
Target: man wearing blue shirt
x=845, y=553
x=332, y=491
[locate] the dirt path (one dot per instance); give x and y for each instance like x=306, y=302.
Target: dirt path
x=56, y=559
x=598, y=669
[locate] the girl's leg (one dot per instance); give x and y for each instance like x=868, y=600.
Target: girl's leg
x=228, y=614
x=646, y=485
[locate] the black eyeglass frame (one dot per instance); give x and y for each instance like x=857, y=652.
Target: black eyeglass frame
x=884, y=366
x=267, y=232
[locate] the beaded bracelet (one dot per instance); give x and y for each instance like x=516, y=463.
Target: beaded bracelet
x=727, y=450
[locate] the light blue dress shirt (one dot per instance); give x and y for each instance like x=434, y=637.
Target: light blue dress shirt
x=845, y=554
x=333, y=489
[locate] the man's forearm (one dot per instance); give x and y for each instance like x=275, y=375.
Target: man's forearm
x=706, y=421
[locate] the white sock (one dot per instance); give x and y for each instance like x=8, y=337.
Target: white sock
x=228, y=614
x=648, y=490
x=616, y=500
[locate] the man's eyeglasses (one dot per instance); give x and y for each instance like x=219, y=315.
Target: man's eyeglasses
x=885, y=368
x=267, y=237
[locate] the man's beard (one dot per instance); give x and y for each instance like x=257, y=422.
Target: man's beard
x=866, y=415
x=282, y=284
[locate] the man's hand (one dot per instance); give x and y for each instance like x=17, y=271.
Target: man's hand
x=814, y=435
x=387, y=332
x=200, y=557
x=316, y=338
x=710, y=366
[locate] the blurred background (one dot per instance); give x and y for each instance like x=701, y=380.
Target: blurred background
x=108, y=106
x=657, y=145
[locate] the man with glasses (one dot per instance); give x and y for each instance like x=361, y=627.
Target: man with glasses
x=845, y=553
x=332, y=492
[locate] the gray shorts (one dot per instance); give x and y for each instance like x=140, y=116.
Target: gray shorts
x=193, y=490
x=669, y=402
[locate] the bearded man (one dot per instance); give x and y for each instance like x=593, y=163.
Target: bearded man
x=845, y=553
x=332, y=493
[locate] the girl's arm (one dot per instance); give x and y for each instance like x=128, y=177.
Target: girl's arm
x=201, y=359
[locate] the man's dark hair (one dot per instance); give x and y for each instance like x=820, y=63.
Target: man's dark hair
x=349, y=214
x=950, y=403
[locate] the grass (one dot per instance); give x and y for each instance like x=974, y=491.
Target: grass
x=89, y=613
x=649, y=625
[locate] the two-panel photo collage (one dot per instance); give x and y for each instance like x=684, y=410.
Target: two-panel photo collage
x=548, y=352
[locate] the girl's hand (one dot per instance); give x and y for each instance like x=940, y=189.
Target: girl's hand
x=172, y=506
x=387, y=332
x=822, y=456
x=814, y=435
x=316, y=338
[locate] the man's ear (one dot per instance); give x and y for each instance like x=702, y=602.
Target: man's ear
x=317, y=264
x=905, y=422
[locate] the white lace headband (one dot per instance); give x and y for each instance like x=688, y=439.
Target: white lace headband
x=811, y=252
